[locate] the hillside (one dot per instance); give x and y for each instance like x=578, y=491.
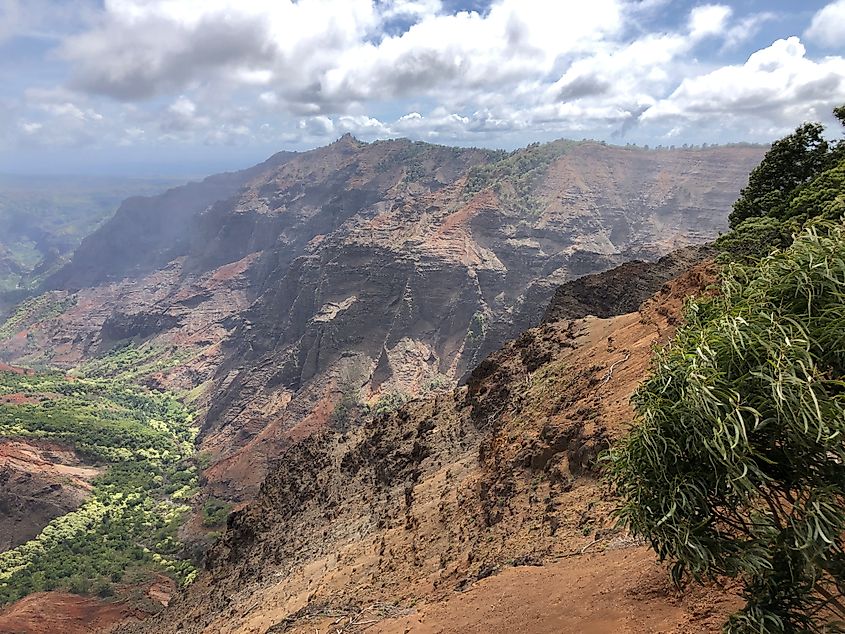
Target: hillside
x=400, y=522
x=353, y=277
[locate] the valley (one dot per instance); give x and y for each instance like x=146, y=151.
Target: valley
x=97, y=481
x=355, y=274
x=43, y=220
x=422, y=317
x=365, y=387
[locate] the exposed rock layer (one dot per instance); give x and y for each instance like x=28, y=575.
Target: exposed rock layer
x=446, y=491
x=359, y=271
x=38, y=482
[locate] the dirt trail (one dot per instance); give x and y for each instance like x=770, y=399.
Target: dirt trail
x=620, y=591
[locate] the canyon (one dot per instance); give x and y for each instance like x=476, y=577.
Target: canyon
x=476, y=507
x=403, y=360
x=316, y=287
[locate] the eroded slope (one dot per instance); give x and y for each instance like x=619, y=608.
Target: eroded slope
x=424, y=502
x=357, y=275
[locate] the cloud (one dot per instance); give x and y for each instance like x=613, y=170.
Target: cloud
x=778, y=84
x=317, y=54
x=512, y=71
x=828, y=26
x=319, y=126
x=746, y=28
x=708, y=20
x=53, y=120
x=181, y=116
x=150, y=55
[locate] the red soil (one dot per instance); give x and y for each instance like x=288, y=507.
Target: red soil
x=60, y=613
x=5, y=367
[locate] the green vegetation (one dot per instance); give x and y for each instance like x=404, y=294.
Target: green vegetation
x=737, y=464
x=129, y=363
x=41, y=308
x=787, y=172
x=390, y=402
x=144, y=441
x=348, y=407
x=514, y=176
x=215, y=512
x=477, y=329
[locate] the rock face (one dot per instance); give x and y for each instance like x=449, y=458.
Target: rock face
x=291, y=296
x=415, y=505
x=147, y=233
x=621, y=289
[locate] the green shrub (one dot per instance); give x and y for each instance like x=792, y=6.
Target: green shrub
x=144, y=441
x=737, y=464
x=790, y=165
x=215, y=512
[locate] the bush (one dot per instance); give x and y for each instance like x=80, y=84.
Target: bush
x=215, y=512
x=134, y=512
x=737, y=464
x=789, y=166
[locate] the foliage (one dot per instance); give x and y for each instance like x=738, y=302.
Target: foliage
x=514, y=176
x=754, y=238
x=144, y=440
x=41, y=308
x=437, y=383
x=737, y=466
x=129, y=362
x=390, y=402
x=347, y=408
x=791, y=162
x=215, y=512
x=824, y=197
x=477, y=328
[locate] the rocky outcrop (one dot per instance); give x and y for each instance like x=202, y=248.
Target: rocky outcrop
x=418, y=504
x=621, y=289
x=356, y=272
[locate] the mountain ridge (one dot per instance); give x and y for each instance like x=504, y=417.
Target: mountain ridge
x=320, y=284
x=429, y=501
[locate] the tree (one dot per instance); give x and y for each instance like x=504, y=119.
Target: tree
x=791, y=162
x=737, y=463
x=839, y=113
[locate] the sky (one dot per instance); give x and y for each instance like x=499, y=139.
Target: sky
x=178, y=87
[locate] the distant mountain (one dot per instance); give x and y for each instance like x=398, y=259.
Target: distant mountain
x=316, y=287
x=44, y=218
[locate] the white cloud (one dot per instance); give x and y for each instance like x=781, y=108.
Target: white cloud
x=746, y=28
x=183, y=107
x=319, y=126
x=321, y=53
x=828, y=26
x=31, y=127
x=708, y=20
x=303, y=72
x=778, y=83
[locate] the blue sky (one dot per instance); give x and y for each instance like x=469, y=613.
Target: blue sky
x=178, y=87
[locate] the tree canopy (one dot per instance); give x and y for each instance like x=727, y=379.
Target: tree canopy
x=791, y=162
